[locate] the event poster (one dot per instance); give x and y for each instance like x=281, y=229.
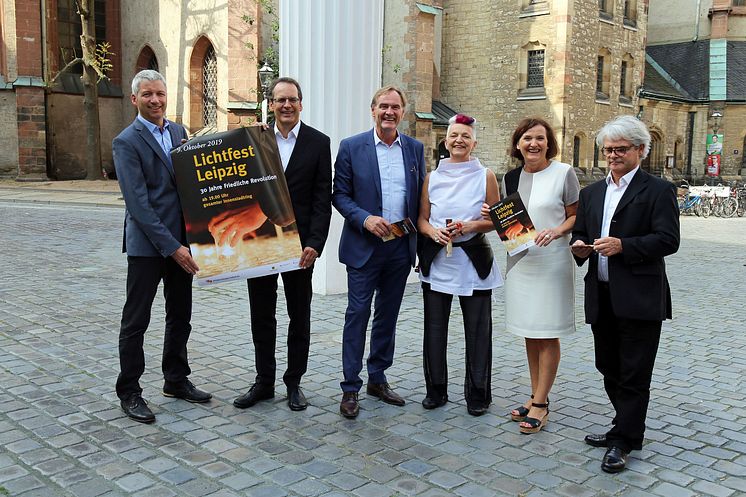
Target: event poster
x=513, y=224
x=239, y=219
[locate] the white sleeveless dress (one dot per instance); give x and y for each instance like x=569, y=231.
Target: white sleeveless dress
x=540, y=282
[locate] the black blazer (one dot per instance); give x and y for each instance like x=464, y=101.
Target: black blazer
x=647, y=222
x=309, y=179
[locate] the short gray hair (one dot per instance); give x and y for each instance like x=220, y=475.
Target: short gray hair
x=146, y=75
x=625, y=128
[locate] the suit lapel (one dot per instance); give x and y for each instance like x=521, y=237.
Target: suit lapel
x=638, y=183
x=409, y=161
x=370, y=147
x=147, y=136
x=295, y=157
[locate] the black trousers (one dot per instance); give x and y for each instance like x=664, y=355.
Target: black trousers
x=625, y=356
x=477, y=313
x=143, y=277
x=263, y=304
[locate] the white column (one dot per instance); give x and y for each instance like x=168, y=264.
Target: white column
x=333, y=48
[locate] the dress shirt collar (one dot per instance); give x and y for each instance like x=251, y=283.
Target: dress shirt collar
x=377, y=140
x=624, y=180
x=293, y=132
x=152, y=127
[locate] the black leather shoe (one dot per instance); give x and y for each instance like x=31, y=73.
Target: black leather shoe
x=434, y=402
x=477, y=410
x=137, y=409
x=296, y=400
x=256, y=393
x=596, y=440
x=614, y=461
x=383, y=391
x=349, y=407
x=186, y=391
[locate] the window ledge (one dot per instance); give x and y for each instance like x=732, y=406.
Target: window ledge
x=532, y=13
x=625, y=102
x=630, y=24
x=610, y=22
x=532, y=94
x=602, y=100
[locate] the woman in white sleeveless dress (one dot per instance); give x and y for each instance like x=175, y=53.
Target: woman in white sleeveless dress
x=452, y=197
x=540, y=281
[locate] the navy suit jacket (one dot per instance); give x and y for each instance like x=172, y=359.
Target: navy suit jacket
x=647, y=222
x=357, y=193
x=153, y=223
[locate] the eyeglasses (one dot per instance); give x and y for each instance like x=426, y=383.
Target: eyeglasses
x=282, y=101
x=620, y=151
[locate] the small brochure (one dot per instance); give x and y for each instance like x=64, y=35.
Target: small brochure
x=513, y=224
x=400, y=229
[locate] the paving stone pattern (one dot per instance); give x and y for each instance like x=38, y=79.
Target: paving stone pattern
x=63, y=434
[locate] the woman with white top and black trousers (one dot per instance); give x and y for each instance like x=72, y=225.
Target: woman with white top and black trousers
x=456, y=259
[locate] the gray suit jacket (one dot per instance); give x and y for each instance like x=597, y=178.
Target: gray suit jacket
x=153, y=224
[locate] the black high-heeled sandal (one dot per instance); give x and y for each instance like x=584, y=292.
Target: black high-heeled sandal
x=522, y=412
x=535, y=425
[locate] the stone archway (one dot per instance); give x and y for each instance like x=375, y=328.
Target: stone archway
x=655, y=162
x=146, y=59
x=203, y=86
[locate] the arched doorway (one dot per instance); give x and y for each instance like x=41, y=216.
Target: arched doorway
x=655, y=161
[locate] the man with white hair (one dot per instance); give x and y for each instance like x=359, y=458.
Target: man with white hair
x=626, y=224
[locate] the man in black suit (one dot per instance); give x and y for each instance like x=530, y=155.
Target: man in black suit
x=626, y=224
x=156, y=247
x=306, y=158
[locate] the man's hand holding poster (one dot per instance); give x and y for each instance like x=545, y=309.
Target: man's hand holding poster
x=239, y=219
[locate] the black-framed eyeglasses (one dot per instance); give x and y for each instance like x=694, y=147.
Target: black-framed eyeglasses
x=620, y=151
x=283, y=101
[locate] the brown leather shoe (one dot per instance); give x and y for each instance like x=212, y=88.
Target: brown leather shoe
x=349, y=406
x=383, y=391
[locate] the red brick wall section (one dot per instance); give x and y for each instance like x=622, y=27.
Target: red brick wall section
x=32, y=139
x=28, y=37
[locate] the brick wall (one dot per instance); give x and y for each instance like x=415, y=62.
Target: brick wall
x=32, y=136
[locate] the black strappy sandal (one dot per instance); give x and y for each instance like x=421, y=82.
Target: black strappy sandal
x=535, y=425
x=522, y=412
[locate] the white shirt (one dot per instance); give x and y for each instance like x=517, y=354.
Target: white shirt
x=393, y=179
x=613, y=196
x=286, y=145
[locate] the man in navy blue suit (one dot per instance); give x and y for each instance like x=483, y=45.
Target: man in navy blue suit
x=377, y=181
x=156, y=247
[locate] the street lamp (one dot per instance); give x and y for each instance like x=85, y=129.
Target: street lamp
x=716, y=117
x=265, y=79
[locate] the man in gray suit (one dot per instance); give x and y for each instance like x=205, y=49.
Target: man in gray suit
x=155, y=243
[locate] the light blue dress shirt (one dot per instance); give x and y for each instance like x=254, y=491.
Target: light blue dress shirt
x=161, y=135
x=393, y=179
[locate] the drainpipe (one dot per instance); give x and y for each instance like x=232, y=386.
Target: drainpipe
x=45, y=79
x=696, y=21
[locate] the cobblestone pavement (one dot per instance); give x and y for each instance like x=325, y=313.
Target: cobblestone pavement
x=63, y=434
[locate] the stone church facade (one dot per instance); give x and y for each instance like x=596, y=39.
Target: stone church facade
x=575, y=63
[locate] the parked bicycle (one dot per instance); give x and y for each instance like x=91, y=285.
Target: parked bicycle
x=692, y=203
